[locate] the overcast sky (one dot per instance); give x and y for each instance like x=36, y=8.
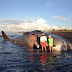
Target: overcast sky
x=26, y=15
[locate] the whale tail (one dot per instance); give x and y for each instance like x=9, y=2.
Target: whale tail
x=5, y=36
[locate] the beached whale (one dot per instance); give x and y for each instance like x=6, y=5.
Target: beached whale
x=60, y=42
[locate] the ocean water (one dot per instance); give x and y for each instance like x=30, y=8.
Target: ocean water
x=17, y=58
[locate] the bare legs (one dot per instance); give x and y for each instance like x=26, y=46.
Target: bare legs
x=42, y=48
x=51, y=49
x=45, y=48
x=31, y=45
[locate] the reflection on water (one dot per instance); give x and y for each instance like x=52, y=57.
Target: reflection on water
x=16, y=58
x=43, y=61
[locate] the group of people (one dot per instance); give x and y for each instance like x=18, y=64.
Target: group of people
x=43, y=42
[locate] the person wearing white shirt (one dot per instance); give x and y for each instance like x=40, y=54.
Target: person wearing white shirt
x=43, y=40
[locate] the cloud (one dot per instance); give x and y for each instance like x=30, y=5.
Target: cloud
x=41, y=21
x=11, y=21
x=15, y=25
x=62, y=18
x=27, y=17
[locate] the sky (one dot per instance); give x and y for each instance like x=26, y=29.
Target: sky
x=27, y=15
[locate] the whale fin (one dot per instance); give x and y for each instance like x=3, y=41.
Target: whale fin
x=5, y=36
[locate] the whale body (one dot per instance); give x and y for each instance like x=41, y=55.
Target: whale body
x=60, y=42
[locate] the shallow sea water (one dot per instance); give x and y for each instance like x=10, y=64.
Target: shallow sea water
x=16, y=58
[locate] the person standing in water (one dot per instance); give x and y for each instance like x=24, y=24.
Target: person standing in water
x=50, y=43
x=43, y=40
x=33, y=41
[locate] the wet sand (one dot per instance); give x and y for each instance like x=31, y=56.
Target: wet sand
x=65, y=34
